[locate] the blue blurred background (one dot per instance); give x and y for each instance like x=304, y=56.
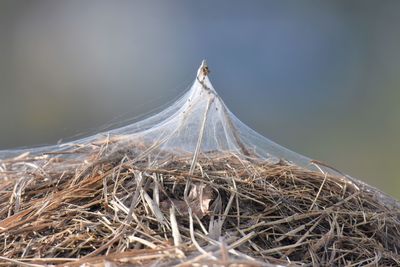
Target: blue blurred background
x=319, y=77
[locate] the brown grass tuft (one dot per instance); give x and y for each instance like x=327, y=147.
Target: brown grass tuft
x=229, y=212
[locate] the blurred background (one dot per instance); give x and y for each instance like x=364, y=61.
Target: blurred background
x=321, y=78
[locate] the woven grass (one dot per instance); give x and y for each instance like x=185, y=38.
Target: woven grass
x=230, y=212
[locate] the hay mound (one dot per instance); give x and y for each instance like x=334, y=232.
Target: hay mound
x=189, y=186
x=121, y=212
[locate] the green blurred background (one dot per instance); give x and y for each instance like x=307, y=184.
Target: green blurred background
x=319, y=77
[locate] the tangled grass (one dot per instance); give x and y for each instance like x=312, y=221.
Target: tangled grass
x=231, y=211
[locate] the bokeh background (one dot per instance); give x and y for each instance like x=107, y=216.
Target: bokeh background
x=319, y=77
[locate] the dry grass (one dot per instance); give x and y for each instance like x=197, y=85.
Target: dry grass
x=230, y=212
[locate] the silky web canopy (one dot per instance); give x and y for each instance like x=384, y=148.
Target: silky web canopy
x=198, y=124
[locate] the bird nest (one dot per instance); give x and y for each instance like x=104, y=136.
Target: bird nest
x=230, y=212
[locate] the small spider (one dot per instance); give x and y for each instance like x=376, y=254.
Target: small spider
x=203, y=71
